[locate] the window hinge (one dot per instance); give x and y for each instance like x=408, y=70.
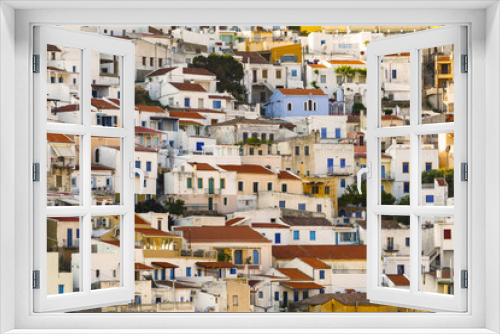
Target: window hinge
x=465, y=279
x=36, y=63
x=36, y=279
x=36, y=172
x=465, y=64
x=464, y=171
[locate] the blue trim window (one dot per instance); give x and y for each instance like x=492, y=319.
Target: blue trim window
x=217, y=104
x=294, y=73
x=282, y=204
x=337, y=133
x=394, y=74
x=255, y=257
x=302, y=207
x=198, y=272
x=296, y=235
x=261, y=294
x=233, y=271
x=187, y=102
x=407, y=242
x=188, y=271
x=277, y=238
x=342, y=163
x=74, y=69
x=321, y=274
x=429, y=199
x=238, y=256
x=406, y=167
x=312, y=235
x=148, y=166
x=172, y=273
x=406, y=187
x=143, y=123
x=342, y=183
x=137, y=164
x=52, y=79
x=428, y=166
x=295, y=296
x=61, y=289
x=145, y=183
x=276, y=295
x=318, y=208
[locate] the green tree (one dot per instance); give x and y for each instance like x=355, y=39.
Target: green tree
x=345, y=71
x=176, y=207
x=357, y=107
x=351, y=196
x=150, y=205
x=228, y=70
x=224, y=257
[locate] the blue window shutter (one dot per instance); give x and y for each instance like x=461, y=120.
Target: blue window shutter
x=294, y=73
x=336, y=238
x=296, y=235
x=61, y=288
x=78, y=233
x=277, y=238
x=172, y=273
x=337, y=133
x=323, y=132
x=70, y=237
x=255, y=256
x=342, y=163
x=302, y=206
x=137, y=164
x=312, y=235
x=163, y=274
x=321, y=274
x=188, y=271
x=217, y=104
x=276, y=295
x=282, y=204
x=238, y=257
x=148, y=166
x=156, y=274
x=429, y=198
x=356, y=237
x=394, y=74
x=186, y=102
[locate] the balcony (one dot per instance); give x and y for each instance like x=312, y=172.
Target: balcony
x=342, y=271
x=202, y=207
x=199, y=253
x=340, y=170
x=212, y=191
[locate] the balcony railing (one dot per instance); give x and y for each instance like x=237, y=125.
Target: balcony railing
x=201, y=207
x=212, y=191
x=339, y=170
x=349, y=271
x=199, y=253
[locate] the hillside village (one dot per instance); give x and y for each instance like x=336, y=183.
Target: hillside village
x=250, y=139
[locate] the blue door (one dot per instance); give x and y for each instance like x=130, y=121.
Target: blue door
x=238, y=257
x=172, y=273
x=337, y=133
x=255, y=256
x=61, y=289
x=323, y=132
x=383, y=171
x=277, y=238
x=329, y=165
x=70, y=237
x=199, y=146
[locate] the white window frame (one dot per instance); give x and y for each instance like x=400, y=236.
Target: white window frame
x=414, y=43
x=482, y=317
x=87, y=43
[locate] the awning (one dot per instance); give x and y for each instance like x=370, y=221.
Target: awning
x=64, y=150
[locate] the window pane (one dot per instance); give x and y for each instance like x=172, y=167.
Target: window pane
x=437, y=172
x=437, y=84
x=106, y=170
x=105, y=76
x=395, y=89
x=63, y=255
x=63, y=84
x=395, y=170
x=63, y=174
x=395, y=252
x=437, y=263
x=105, y=248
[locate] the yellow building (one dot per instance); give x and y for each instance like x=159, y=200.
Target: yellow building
x=238, y=297
x=344, y=302
x=293, y=50
x=322, y=187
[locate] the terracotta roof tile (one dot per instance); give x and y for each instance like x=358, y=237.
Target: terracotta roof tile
x=399, y=280
x=295, y=274
x=150, y=109
x=208, y=234
x=141, y=266
x=286, y=175
x=197, y=71
x=300, y=91
x=269, y=225
x=222, y=97
x=140, y=221
x=233, y=221
x=247, y=169
x=188, y=87
x=51, y=47
x=102, y=104
x=317, y=66
x=185, y=114
x=160, y=71
x=188, y=121
x=314, y=262
x=67, y=108
x=142, y=129
x=59, y=138
x=322, y=252
x=202, y=166
x=164, y=264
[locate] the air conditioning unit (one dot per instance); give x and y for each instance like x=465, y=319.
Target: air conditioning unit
x=277, y=61
x=95, y=222
x=105, y=222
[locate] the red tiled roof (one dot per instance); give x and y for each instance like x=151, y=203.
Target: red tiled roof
x=317, y=66
x=208, y=234
x=187, y=121
x=286, y=175
x=153, y=232
x=391, y=117
x=165, y=264
x=269, y=225
x=302, y=285
x=197, y=71
x=202, y=166
x=294, y=274
x=65, y=219
x=217, y=265
x=50, y=68
x=402, y=54
x=150, y=109
x=247, y=169
x=160, y=71
x=188, y=87
x=141, y=266
x=399, y=280
x=346, y=62
x=185, y=114
x=322, y=252
x=140, y=221
x=59, y=138
x=300, y=91
x=51, y=47
x=115, y=101
x=102, y=104
x=142, y=129
x=314, y=262
x=233, y=221
x=198, y=110
x=69, y=107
